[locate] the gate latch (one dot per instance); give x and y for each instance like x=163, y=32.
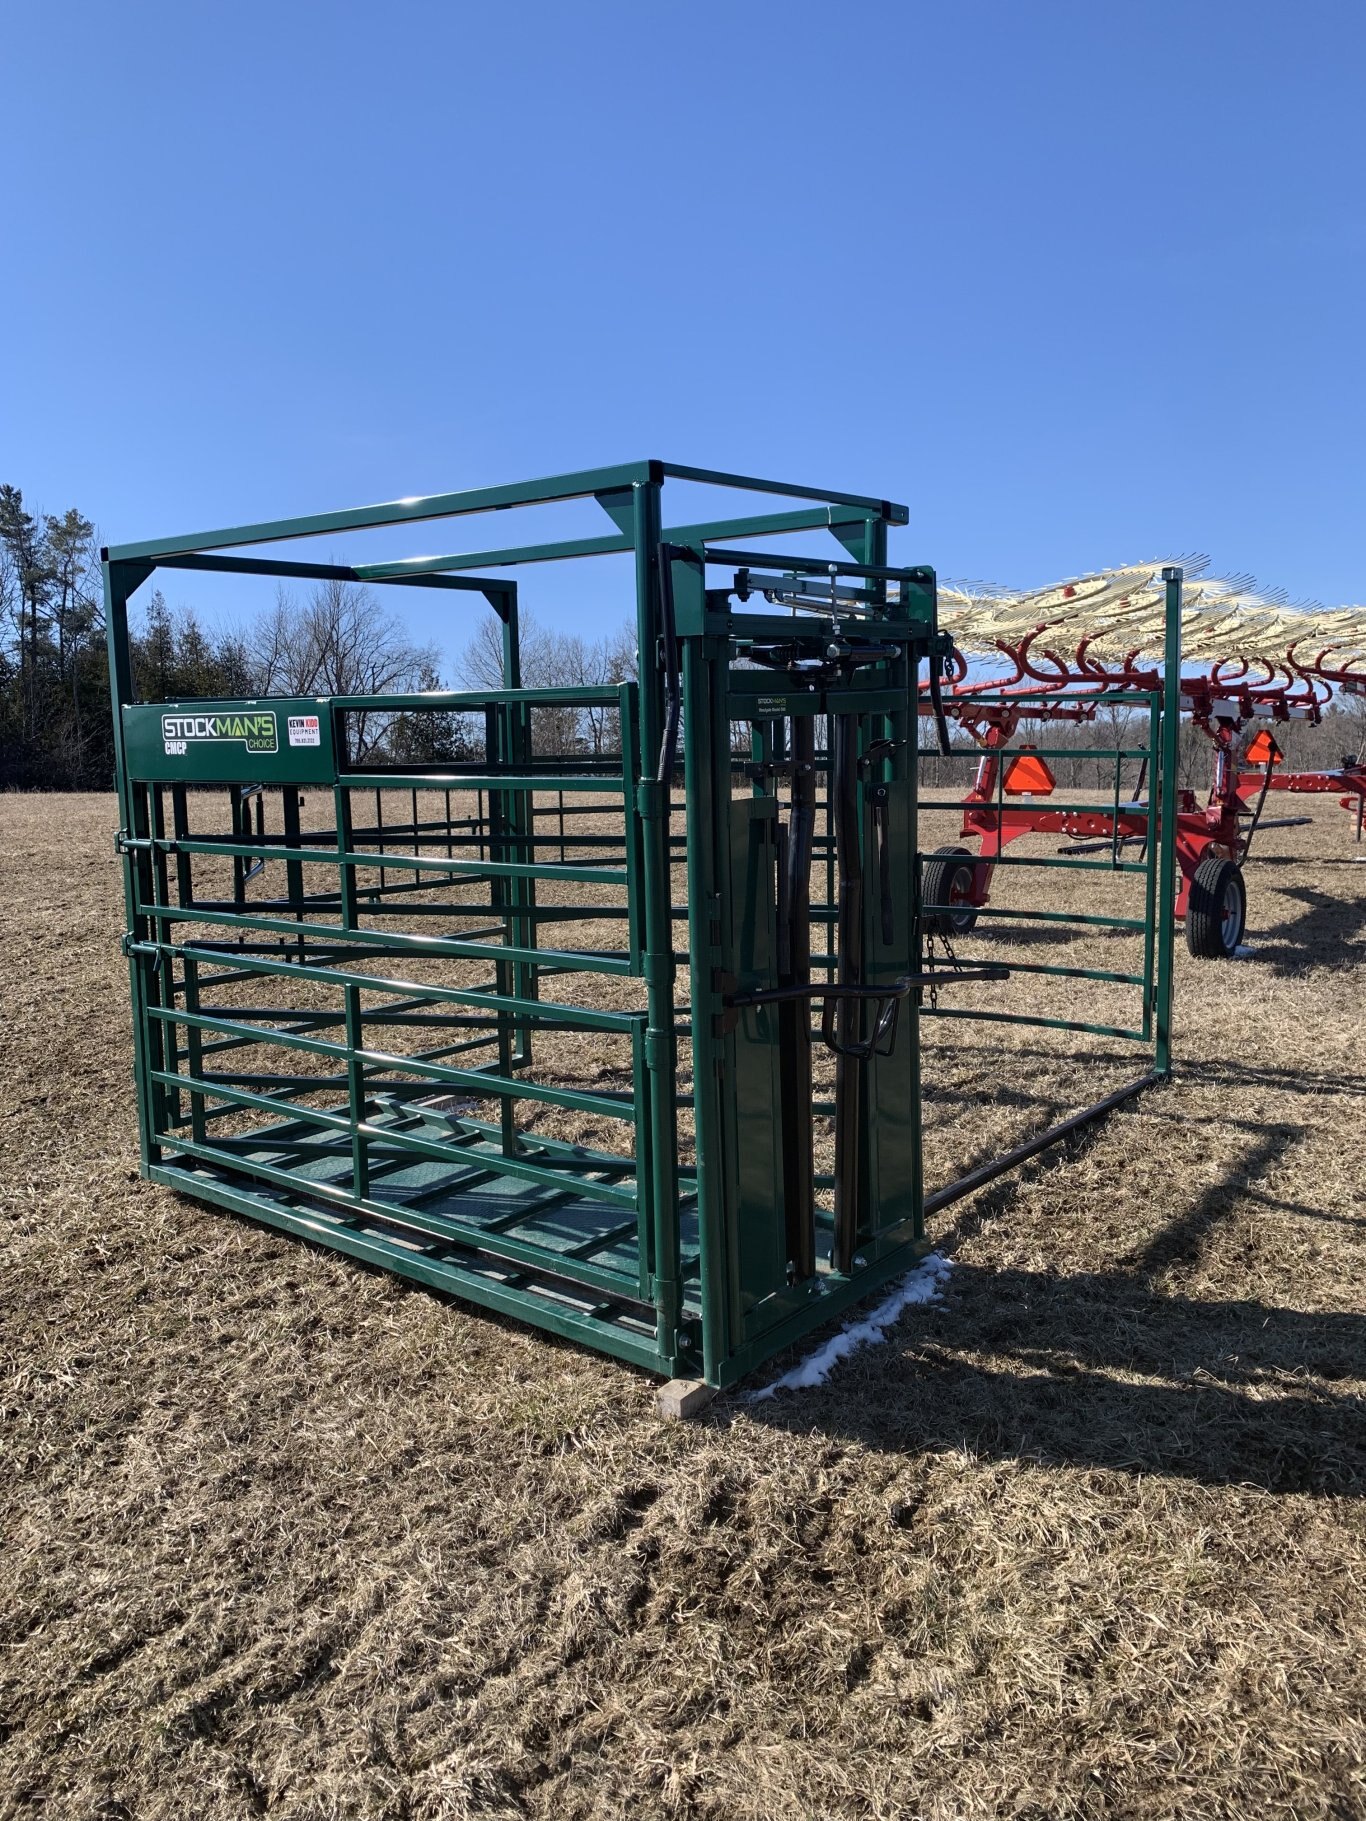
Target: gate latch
x=887, y=999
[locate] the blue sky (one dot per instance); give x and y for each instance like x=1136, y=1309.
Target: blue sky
x=1079, y=282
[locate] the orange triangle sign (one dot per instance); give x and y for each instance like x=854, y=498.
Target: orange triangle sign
x=1028, y=775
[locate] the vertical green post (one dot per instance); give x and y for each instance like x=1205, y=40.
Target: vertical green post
x=1166, y=888
x=194, y=1041
x=355, y=1030
x=704, y=665
x=520, y=818
x=121, y=581
x=653, y=798
x=509, y=979
x=1151, y=853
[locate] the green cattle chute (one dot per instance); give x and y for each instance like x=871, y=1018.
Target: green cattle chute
x=538, y=1026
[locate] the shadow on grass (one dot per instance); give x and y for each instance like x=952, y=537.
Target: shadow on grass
x=1223, y=1395
x=1327, y=931
x=1106, y=1369
x=1267, y=1075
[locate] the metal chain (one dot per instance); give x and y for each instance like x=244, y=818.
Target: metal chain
x=950, y=960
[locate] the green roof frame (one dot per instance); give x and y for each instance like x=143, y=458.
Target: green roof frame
x=600, y=483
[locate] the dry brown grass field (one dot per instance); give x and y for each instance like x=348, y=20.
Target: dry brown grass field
x=283, y=1536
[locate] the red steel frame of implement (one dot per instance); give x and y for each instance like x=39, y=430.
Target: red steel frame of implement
x=1220, y=702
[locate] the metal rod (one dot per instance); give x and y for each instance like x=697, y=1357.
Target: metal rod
x=846, y=802
x=794, y=1030
x=1021, y=1153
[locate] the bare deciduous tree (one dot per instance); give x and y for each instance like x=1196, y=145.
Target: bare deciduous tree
x=554, y=660
x=339, y=642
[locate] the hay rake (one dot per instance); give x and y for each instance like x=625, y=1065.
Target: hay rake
x=1247, y=656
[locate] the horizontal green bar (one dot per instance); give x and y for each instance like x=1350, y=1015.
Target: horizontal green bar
x=607, y=1106
x=746, y=483
x=976, y=753
x=1049, y=1024
x=1076, y=866
x=566, y=960
x=417, y=568
x=810, y=518
x=550, y=870
x=568, y=695
x=246, y=565
x=472, y=1168
x=496, y=1163
x=447, y=1275
x=400, y=512
x=1079, y=918
x=589, y=1018
x=1046, y=805
x=607, y=783
x=568, y=1156
x=1069, y=973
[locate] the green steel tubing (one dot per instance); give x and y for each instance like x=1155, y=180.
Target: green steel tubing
x=1049, y=863
x=522, y=1167
x=603, y=783
x=1166, y=918
x=427, y=863
x=586, y=961
x=1083, y=920
x=446, y=1273
x=588, y=482
x=580, y=1017
x=1138, y=813
x=1071, y=973
x=975, y=754
x=557, y=1153
x=661, y=1122
x=608, y=1105
x=587, y=696
x=621, y=1261
x=1047, y=1024
x=705, y=958
x=466, y=1164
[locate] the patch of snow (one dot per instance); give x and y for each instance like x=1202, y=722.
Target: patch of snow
x=922, y=1285
x=1242, y=951
x=459, y=1105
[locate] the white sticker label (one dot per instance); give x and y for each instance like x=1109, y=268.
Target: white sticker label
x=303, y=730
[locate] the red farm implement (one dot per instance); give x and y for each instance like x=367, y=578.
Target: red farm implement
x=1089, y=652
x=1265, y=772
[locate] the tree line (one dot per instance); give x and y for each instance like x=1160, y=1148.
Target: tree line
x=335, y=638
x=338, y=638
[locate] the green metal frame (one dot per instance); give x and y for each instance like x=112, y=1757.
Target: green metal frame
x=295, y=1031
x=1157, y=870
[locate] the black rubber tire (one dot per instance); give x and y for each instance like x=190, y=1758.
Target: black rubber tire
x=949, y=870
x=1216, y=914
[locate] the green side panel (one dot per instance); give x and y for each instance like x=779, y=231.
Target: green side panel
x=756, y=1237
x=277, y=740
x=894, y=1092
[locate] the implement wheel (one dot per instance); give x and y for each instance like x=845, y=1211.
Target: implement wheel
x=1216, y=915
x=949, y=878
